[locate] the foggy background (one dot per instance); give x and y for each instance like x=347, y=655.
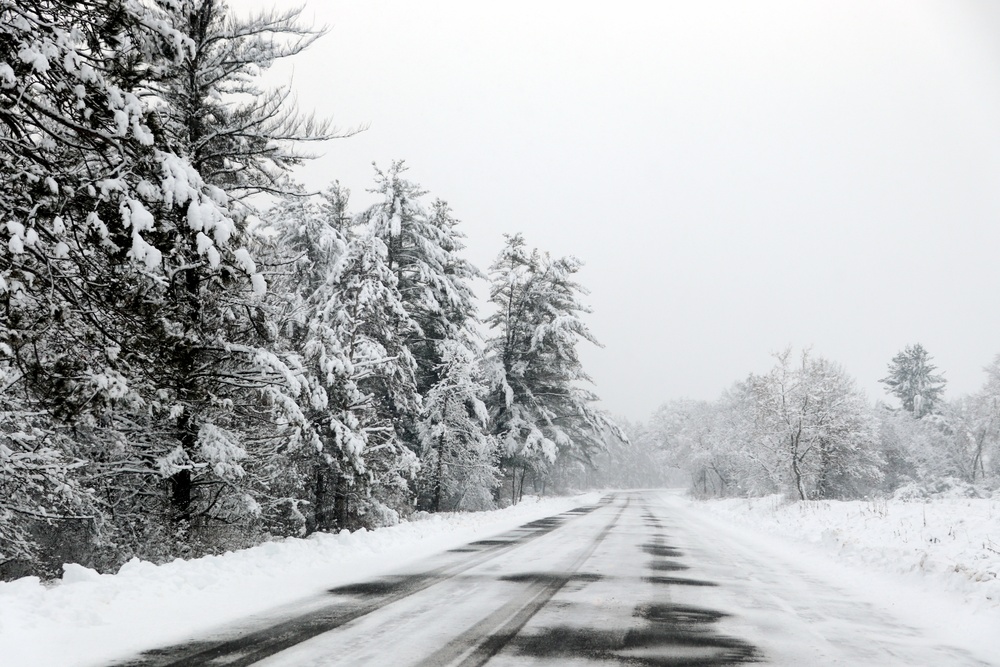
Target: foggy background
x=738, y=177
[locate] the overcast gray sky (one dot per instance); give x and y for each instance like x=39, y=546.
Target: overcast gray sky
x=737, y=176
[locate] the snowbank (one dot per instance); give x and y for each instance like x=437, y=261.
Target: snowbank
x=941, y=544
x=89, y=618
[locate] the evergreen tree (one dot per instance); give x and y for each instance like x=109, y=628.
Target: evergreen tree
x=453, y=317
x=132, y=298
x=342, y=314
x=541, y=415
x=310, y=239
x=451, y=374
x=80, y=175
x=215, y=339
x=372, y=323
x=224, y=404
x=432, y=278
x=458, y=455
x=240, y=136
x=912, y=379
x=433, y=281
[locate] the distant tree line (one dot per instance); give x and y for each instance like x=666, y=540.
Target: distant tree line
x=182, y=373
x=806, y=430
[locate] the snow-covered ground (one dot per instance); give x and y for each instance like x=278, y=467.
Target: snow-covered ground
x=869, y=603
x=940, y=545
x=88, y=618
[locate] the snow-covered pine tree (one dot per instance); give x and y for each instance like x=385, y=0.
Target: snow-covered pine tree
x=453, y=316
x=78, y=168
x=416, y=258
x=346, y=319
x=433, y=279
x=132, y=299
x=311, y=301
x=450, y=370
x=240, y=136
x=222, y=395
x=458, y=455
x=371, y=321
x=912, y=379
x=42, y=148
x=541, y=414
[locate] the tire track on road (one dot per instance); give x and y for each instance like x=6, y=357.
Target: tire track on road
x=475, y=646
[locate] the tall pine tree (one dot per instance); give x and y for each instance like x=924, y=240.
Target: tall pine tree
x=541, y=412
x=433, y=279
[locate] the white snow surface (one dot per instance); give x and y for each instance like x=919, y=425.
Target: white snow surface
x=933, y=564
x=940, y=545
x=849, y=578
x=88, y=618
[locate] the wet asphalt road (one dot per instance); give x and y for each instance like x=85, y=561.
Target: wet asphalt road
x=633, y=580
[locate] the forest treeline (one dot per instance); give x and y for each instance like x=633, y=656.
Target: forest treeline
x=806, y=430
x=183, y=371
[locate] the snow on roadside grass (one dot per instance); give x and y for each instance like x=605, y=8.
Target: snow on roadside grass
x=89, y=618
x=950, y=544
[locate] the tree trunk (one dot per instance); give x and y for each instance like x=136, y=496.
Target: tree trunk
x=794, y=448
x=436, y=503
x=722, y=481
x=182, y=482
x=341, y=502
x=513, y=485
x=977, y=459
x=823, y=483
x=798, y=478
x=180, y=495
x=321, y=499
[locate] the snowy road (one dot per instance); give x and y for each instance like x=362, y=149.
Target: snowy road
x=635, y=580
